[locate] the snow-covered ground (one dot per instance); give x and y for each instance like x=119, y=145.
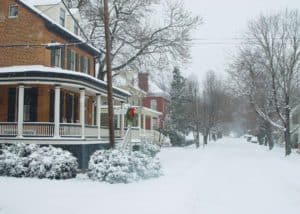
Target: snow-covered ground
x=229, y=176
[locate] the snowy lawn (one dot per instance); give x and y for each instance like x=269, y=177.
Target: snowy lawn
x=229, y=176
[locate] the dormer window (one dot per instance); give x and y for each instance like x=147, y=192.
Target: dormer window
x=62, y=17
x=13, y=11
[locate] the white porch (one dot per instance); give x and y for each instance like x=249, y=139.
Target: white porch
x=80, y=125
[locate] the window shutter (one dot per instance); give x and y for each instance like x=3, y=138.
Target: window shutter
x=33, y=104
x=52, y=57
x=61, y=106
x=63, y=56
x=89, y=66
x=11, y=116
x=75, y=108
x=82, y=64
x=76, y=62
x=69, y=108
x=69, y=59
x=51, y=106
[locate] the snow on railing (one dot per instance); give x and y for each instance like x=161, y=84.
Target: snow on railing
x=127, y=138
x=70, y=130
x=91, y=131
x=8, y=128
x=41, y=129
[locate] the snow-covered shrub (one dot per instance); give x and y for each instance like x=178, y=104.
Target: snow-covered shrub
x=150, y=149
x=53, y=163
x=116, y=166
x=21, y=160
x=145, y=166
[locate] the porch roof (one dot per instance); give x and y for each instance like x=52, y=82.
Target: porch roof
x=38, y=74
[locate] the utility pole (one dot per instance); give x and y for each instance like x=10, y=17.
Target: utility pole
x=109, y=76
x=197, y=119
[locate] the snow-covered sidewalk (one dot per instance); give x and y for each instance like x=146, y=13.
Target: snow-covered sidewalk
x=229, y=176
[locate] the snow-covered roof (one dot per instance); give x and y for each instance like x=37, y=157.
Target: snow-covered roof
x=155, y=90
x=43, y=2
x=122, y=81
x=41, y=68
x=30, y=5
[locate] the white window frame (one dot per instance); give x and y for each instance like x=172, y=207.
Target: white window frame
x=9, y=11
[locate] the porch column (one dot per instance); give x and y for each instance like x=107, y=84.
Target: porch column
x=151, y=123
x=56, y=111
x=82, y=112
x=122, y=120
x=118, y=118
x=98, y=115
x=144, y=122
x=20, y=111
x=140, y=122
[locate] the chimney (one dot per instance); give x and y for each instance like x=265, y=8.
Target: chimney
x=143, y=81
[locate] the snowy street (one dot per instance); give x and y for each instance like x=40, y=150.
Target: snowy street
x=230, y=176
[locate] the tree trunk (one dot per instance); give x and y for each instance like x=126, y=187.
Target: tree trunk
x=205, y=138
x=197, y=136
x=109, y=77
x=287, y=134
x=269, y=136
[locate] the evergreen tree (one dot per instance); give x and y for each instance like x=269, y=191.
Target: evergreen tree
x=176, y=121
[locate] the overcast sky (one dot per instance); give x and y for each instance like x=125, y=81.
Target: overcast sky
x=224, y=21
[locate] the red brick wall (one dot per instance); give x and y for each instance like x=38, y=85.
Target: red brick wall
x=28, y=28
x=161, y=107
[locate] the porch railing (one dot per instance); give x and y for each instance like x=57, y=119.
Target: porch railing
x=8, y=128
x=46, y=129
x=91, y=131
x=38, y=129
x=70, y=130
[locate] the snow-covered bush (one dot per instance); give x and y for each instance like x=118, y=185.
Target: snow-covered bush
x=150, y=149
x=116, y=166
x=21, y=160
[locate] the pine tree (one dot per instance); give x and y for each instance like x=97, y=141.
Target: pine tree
x=176, y=122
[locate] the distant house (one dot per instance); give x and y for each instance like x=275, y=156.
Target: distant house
x=147, y=98
x=156, y=98
x=48, y=90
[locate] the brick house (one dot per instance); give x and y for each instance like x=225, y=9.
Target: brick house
x=156, y=98
x=48, y=90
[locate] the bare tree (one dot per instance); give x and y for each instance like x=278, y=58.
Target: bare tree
x=193, y=107
x=211, y=105
x=270, y=63
x=138, y=40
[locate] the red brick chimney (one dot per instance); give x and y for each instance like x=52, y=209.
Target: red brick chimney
x=143, y=81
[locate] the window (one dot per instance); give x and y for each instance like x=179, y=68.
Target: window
x=62, y=17
x=57, y=57
x=84, y=64
x=71, y=60
x=153, y=104
x=13, y=11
